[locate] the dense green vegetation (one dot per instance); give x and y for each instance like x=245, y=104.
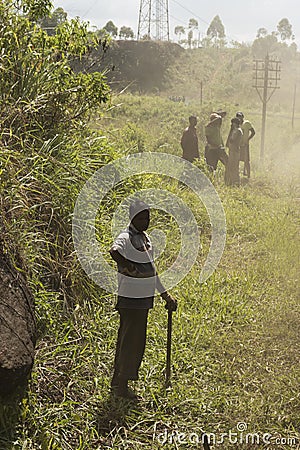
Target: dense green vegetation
x=236, y=337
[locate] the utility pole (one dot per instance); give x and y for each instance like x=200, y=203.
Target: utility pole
x=266, y=80
x=154, y=20
x=294, y=104
x=201, y=93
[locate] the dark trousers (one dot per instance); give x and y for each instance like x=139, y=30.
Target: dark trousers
x=131, y=344
x=213, y=155
x=245, y=156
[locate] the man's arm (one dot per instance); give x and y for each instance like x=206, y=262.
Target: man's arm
x=221, y=113
x=209, y=129
x=184, y=140
x=215, y=122
x=252, y=133
x=171, y=303
x=120, y=259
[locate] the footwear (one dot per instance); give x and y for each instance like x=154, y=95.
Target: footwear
x=120, y=388
x=125, y=392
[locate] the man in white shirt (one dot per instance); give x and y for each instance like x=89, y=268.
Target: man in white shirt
x=248, y=133
x=137, y=281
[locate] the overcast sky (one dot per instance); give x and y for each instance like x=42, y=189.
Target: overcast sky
x=241, y=22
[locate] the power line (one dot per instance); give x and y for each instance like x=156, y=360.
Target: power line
x=191, y=12
x=178, y=20
x=198, y=17
x=89, y=9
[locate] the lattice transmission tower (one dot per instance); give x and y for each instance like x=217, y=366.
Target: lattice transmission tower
x=154, y=20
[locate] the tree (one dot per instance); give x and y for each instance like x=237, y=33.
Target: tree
x=216, y=29
x=190, y=38
x=261, y=32
x=111, y=28
x=51, y=22
x=103, y=35
x=284, y=29
x=43, y=104
x=59, y=16
x=216, y=33
x=193, y=24
x=179, y=30
x=264, y=45
x=33, y=10
x=207, y=42
x=36, y=73
x=126, y=33
x=293, y=48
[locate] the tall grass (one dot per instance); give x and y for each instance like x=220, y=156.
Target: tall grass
x=235, y=340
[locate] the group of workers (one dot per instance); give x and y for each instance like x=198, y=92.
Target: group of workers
x=237, y=142
x=133, y=252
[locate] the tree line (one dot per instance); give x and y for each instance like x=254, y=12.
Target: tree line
x=50, y=23
x=190, y=36
x=216, y=37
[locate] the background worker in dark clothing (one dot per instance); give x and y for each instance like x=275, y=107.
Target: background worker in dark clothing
x=214, y=149
x=189, y=141
x=232, y=176
x=248, y=133
x=137, y=281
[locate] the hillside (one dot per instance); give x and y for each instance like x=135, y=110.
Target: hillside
x=139, y=66
x=227, y=76
x=166, y=69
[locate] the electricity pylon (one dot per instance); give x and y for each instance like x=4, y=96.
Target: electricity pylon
x=154, y=20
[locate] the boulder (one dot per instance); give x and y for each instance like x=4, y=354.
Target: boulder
x=17, y=327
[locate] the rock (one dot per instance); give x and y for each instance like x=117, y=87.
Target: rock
x=17, y=328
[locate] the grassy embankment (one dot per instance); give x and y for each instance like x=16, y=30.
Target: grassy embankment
x=236, y=337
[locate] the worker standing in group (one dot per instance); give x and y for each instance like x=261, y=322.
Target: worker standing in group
x=232, y=176
x=248, y=133
x=189, y=141
x=214, y=149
